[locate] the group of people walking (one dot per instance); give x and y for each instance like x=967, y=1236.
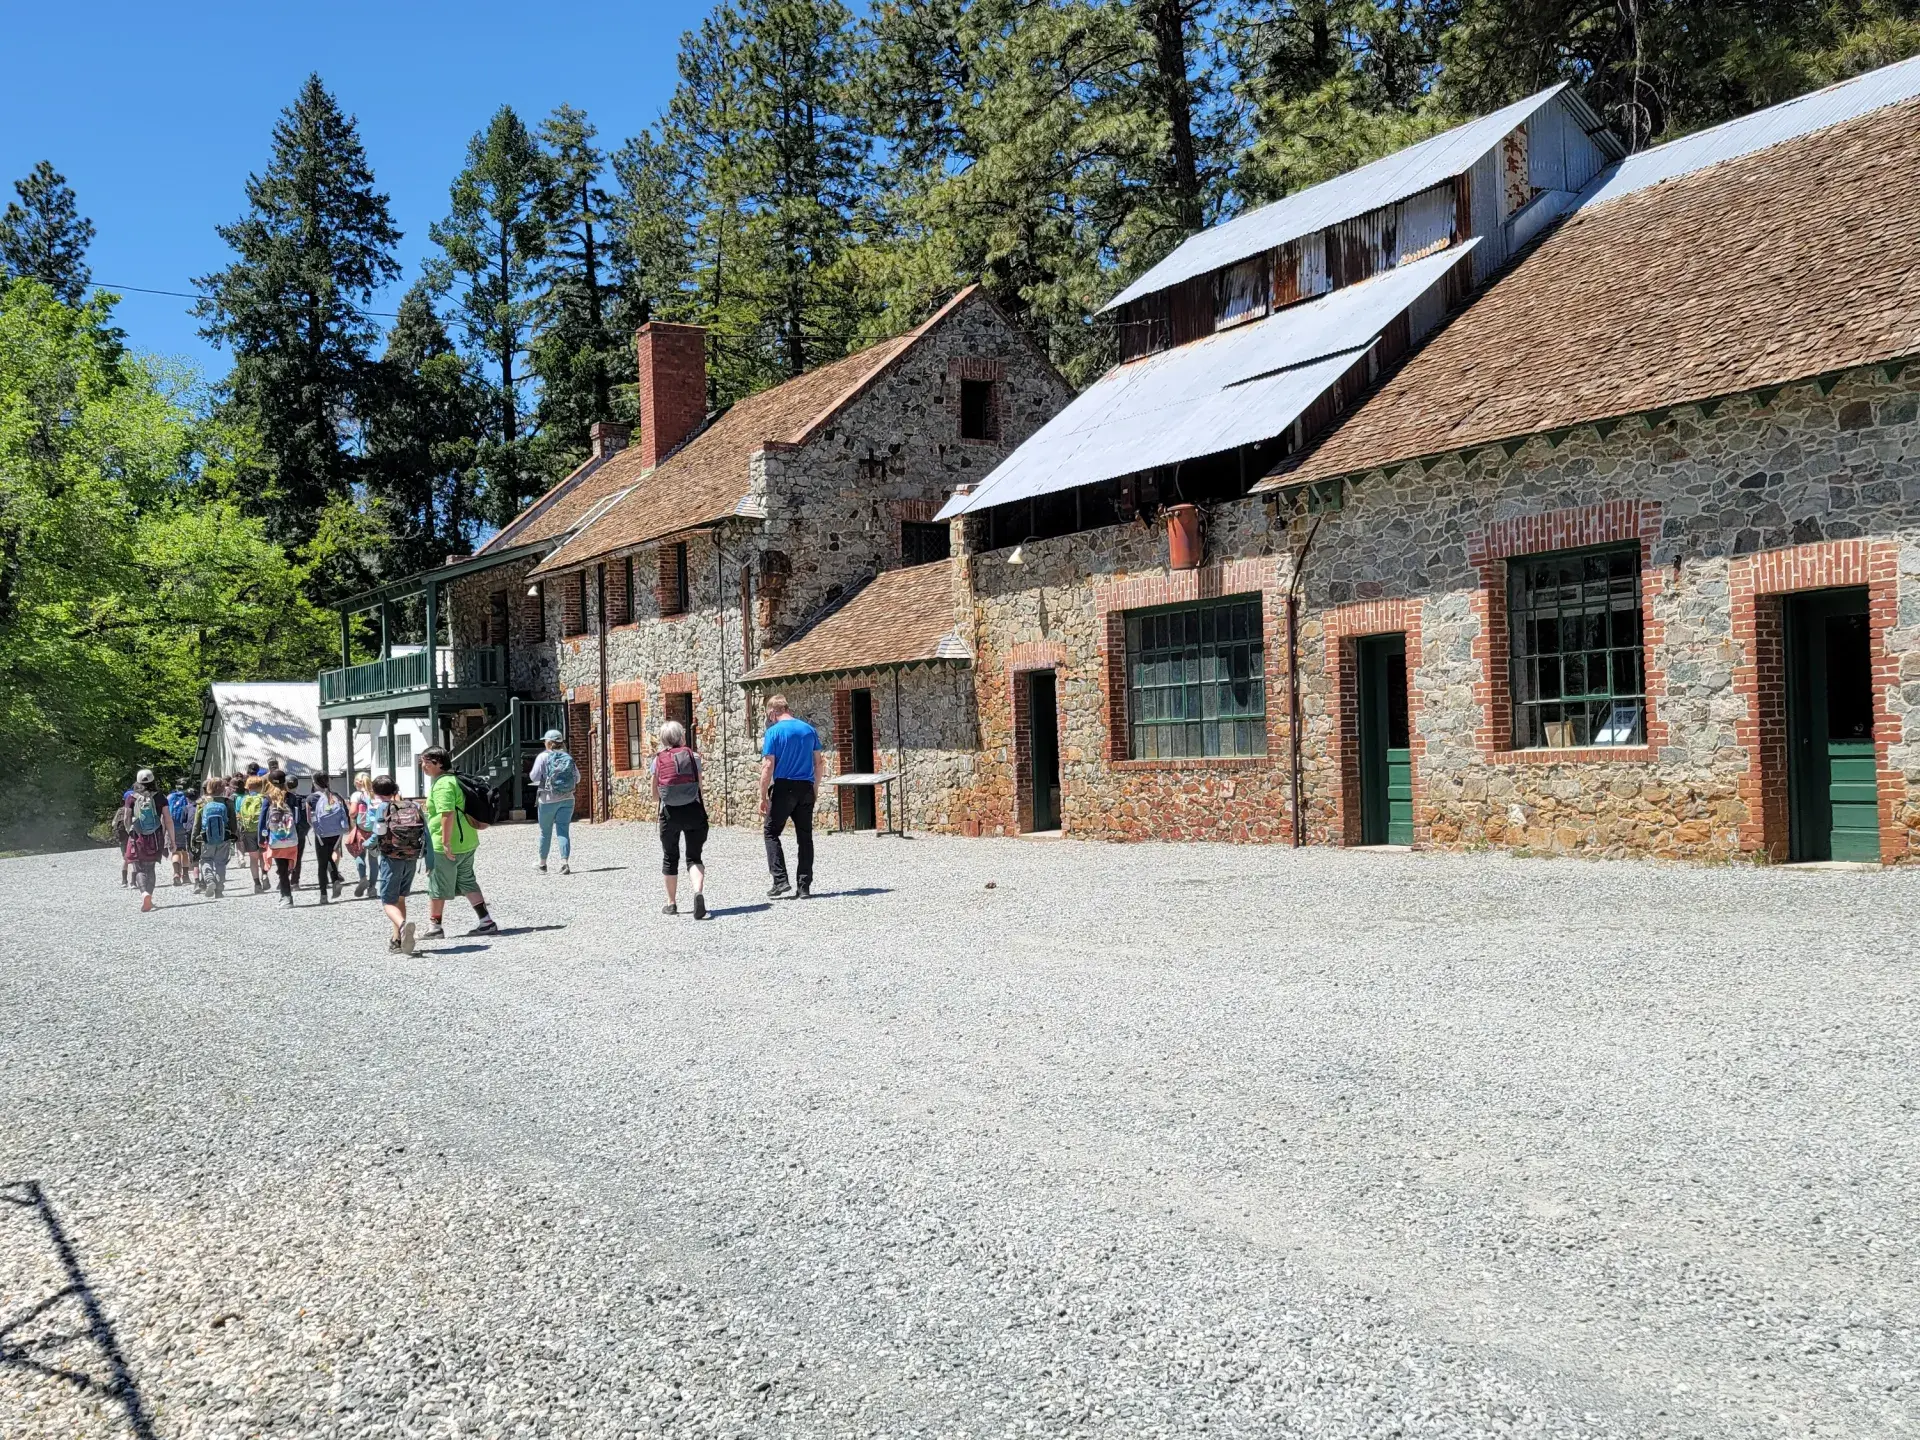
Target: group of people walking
x=261, y=814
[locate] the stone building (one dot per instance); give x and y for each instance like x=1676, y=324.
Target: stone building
x=1612, y=548
x=683, y=562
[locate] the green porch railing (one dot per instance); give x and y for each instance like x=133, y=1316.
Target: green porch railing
x=481, y=668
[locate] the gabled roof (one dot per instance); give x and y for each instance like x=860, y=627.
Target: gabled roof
x=902, y=618
x=559, y=510
x=1782, y=264
x=1235, y=387
x=706, y=479
x=1386, y=180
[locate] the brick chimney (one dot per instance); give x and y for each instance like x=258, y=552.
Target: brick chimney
x=673, y=385
x=608, y=436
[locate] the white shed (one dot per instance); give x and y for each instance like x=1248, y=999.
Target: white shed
x=277, y=722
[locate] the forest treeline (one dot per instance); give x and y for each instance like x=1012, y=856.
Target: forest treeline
x=817, y=181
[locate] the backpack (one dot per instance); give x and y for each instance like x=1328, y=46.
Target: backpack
x=145, y=814
x=250, y=812
x=406, y=833
x=283, y=832
x=213, y=822
x=328, y=814
x=563, y=775
x=477, y=801
x=181, y=808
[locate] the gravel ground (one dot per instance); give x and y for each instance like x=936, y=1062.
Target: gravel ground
x=991, y=1138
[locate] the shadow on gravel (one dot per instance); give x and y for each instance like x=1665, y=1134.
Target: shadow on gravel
x=33, y=1340
x=740, y=910
x=852, y=894
x=525, y=929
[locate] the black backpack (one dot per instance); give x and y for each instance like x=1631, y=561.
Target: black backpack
x=477, y=800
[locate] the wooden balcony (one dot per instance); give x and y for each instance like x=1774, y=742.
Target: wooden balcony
x=413, y=679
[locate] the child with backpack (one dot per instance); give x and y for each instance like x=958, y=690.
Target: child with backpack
x=180, y=823
x=454, y=821
x=327, y=817
x=366, y=861
x=555, y=775
x=249, y=812
x=397, y=835
x=147, y=834
x=120, y=820
x=280, y=831
x=213, y=833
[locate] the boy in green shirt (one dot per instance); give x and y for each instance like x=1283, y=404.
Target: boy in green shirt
x=451, y=841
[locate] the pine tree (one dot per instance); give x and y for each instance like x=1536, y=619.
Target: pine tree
x=315, y=246
x=579, y=352
x=424, y=439
x=44, y=237
x=493, y=238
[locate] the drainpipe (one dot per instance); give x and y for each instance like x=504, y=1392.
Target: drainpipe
x=1296, y=765
x=606, y=726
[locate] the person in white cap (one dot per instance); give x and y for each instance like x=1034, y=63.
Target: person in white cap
x=555, y=776
x=149, y=833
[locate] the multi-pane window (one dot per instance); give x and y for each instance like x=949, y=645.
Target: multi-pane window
x=1575, y=660
x=1196, y=680
x=635, y=737
x=921, y=542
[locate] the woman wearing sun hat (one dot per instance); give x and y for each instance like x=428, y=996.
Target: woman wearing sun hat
x=555, y=776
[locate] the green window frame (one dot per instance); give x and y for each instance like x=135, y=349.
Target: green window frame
x=1576, y=656
x=1196, y=680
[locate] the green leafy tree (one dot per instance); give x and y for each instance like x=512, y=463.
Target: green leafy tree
x=492, y=241
x=579, y=351
x=129, y=576
x=44, y=237
x=423, y=442
x=315, y=245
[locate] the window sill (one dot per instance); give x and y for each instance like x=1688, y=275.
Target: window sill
x=1576, y=754
x=1203, y=762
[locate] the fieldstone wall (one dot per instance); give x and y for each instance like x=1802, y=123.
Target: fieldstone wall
x=530, y=655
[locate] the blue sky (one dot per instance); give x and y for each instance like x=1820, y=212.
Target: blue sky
x=156, y=114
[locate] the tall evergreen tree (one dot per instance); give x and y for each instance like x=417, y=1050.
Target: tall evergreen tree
x=493, y=239
x=44, y=237
x=315, y=245
x=579, y=352
x=423, y=440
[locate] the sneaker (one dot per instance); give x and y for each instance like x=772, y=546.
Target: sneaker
x=488, y=926
x=323, y=895
x=805, y=892
x=393, y=946
x=287, y=900
x=777, y=889
x=541, y=866
x=406, y=938
x=699, y=907
x=669, y=909
x=434, y=932
x=566, y=867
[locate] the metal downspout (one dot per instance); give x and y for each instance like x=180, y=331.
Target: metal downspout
x=606, y=727
x=1296, y=764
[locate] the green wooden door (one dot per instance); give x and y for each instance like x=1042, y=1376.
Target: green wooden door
x=1832, y=784
x=1386, y=756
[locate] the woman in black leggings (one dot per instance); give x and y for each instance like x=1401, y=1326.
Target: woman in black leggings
x=683, y=815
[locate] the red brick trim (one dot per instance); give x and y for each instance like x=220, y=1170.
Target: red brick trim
x=1031, y=656
x=619, y=591
x=1259, y=575
x=843, y=747
x=618, y=698
x=1341, y=627
x=670, y=599
x=573, y=604
x=1611, y=522
x=582, y=707
x=991, y=368
x=1756, y=584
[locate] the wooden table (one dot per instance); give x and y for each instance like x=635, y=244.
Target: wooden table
x=880, y=777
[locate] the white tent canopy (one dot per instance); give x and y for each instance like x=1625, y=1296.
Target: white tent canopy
x=277, y=723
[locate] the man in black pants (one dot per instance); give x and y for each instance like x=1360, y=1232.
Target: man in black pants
x=789, y=771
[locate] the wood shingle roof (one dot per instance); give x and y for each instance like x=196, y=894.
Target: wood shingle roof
x=902, y=617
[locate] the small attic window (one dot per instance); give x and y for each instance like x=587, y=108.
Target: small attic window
x=979, y=410
x=1241, y=293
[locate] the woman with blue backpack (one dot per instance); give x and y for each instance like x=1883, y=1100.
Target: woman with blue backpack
x=555, y=776
x=213, y=831
x=280, y=831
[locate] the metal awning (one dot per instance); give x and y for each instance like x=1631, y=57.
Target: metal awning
x=1236, y=387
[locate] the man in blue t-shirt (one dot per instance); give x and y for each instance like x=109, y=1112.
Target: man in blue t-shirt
x=788, y=773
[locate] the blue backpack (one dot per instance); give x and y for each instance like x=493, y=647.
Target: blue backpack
x=213, y=822
x=181, y=808
x=144, y=813
x=562, y=774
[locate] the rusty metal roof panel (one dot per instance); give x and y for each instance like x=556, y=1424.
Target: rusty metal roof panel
x=1835, y=105
x=1393, y=177
x=1232, y=388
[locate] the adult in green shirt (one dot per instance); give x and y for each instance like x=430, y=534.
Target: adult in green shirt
x=451, y=841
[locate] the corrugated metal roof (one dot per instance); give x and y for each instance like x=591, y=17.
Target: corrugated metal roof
x=1232, y=388
x=1392, y=177
x=1838, y=103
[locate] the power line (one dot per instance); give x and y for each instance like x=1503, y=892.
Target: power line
x=187, y=295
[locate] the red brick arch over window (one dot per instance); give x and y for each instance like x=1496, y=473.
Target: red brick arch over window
x=1343, y=626
x=1612, y=522
x=1757, y=584
x=1022, y=659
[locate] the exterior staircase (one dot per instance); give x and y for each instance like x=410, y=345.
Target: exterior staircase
x=498, y=759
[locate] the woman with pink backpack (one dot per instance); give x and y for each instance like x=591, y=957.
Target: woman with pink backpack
x=683, y=815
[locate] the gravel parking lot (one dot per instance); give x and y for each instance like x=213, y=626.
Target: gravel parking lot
x=991, y=1138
